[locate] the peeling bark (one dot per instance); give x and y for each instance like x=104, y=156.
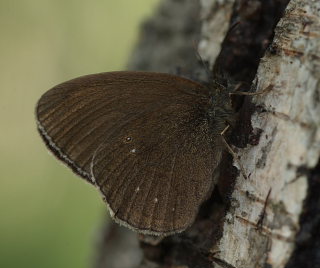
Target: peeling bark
x=277, y=137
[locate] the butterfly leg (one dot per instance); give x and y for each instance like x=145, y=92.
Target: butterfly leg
x=232, y=152
x=261, y=92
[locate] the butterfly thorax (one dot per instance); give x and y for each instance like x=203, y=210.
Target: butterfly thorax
x=220, y=112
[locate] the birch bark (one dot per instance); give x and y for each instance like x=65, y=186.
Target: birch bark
x=277, y=140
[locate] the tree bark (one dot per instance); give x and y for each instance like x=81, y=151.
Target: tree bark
x=270, y=219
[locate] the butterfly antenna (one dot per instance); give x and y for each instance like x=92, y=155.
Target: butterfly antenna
x=232, y=27
x=203, y=63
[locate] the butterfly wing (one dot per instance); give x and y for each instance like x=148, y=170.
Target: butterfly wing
x=142, y=138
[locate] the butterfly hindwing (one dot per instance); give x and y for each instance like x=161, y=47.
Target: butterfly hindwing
x=142, y=138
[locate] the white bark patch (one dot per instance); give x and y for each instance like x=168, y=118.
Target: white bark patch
x=215, y=15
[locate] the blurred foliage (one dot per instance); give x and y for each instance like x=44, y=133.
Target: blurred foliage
x=49, y=217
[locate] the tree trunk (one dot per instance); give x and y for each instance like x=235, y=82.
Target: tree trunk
x=272, y=218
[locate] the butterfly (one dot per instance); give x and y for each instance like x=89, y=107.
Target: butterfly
x=150, y=142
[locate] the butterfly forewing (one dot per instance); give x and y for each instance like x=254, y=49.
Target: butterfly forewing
x=142, y=138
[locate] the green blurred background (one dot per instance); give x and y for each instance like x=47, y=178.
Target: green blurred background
x=49, y=217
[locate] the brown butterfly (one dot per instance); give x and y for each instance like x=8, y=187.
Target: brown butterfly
x=150, y=142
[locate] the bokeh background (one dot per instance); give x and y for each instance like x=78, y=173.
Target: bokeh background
x=49, y=217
